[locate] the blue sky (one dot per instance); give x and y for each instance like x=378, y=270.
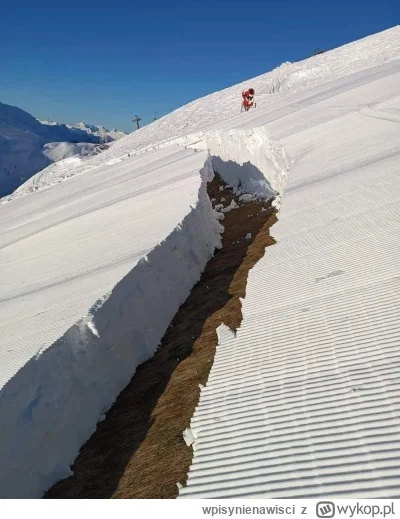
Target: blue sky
x=106, y=63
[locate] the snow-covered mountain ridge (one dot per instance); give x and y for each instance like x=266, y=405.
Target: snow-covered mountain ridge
x=99, y=131
x=24, y=141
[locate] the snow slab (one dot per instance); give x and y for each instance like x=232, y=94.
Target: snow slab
x=92, y=273
x=247, y=160
x=304, y=400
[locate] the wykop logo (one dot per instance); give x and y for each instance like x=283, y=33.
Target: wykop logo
x=325, y=509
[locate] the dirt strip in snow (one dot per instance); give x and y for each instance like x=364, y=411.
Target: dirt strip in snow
x=138, y=451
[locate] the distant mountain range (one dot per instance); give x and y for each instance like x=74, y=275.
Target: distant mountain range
x=28, y=145
x=99, y=131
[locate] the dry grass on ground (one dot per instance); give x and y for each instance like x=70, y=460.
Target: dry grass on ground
x=138, y=450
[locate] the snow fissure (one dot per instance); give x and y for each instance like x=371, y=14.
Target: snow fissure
x=183, y=360
x=75, y=380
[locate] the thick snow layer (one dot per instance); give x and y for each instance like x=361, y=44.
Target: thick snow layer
x=92, y=273
x=248, y=161
x=304, y=400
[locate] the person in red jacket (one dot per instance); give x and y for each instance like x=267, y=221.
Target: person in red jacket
x=248, y=98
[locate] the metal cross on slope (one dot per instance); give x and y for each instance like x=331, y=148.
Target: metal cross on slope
x=136, y=120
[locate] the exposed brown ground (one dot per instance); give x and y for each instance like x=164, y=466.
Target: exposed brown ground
x=138, y=450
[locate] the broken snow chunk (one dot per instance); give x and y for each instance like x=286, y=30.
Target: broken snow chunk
x=93, y=328
x=188, y=436
x=246, y=197
x=219, y=216
x=248, y=236
x=225, y=333
x=222, y=199
x=277, y=202
x=221, y=188
x=207, y=172
x=232, y=205
x=212, y=199
x=218, y=207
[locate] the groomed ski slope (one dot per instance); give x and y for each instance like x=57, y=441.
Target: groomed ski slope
x=101, y=262
x=304, y=401
x=223, y=107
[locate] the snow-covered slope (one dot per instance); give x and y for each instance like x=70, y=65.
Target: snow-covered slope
x=22, y=141
x=304, y=401
x=221, y=107
x=88, y=263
